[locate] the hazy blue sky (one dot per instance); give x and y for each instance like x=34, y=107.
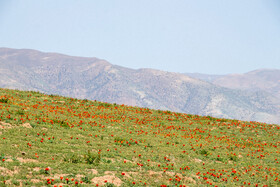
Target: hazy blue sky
x=206, y=36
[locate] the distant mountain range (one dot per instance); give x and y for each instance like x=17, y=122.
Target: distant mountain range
x=267, y=80
x=97, y=79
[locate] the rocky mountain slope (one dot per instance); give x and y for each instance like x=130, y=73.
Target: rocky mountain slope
x=97, y=79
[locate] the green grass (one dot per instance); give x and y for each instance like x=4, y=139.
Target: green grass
x=90, y=142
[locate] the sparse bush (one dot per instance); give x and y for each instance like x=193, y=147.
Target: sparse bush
x=85, y=100
x=211, y=118
x=204, y=152
x=2, y=156
x=4, y=100
x=32, y=125
x=106, y=161
x=92, y=158
x=61, y=123
x=15, y=182
x=233, y=158
x=168, y=112
x=109, y=184
x=105, y=104
x=119, y=139
x=73, y=158
x=85, y=179
x=20, y=112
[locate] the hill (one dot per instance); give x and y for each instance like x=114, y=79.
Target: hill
x=97, y=79
x=54, y=140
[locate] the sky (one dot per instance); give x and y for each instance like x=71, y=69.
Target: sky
x=202, y=36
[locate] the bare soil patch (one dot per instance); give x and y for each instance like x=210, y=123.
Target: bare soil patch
x=26, y=160
x=4, y=125
x=107, y=179
x=93, y=171
x=7, y=172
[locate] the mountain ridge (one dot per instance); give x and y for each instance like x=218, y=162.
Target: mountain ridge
x=267, y=80
x=96, y=79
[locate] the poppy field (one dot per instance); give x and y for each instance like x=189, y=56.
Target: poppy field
x=50, y=140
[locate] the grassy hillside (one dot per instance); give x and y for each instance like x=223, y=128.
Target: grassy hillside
x=59, y=141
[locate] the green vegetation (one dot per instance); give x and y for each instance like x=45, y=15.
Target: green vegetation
x=53, y=140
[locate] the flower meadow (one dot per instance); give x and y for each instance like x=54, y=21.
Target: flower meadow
x=50, y=140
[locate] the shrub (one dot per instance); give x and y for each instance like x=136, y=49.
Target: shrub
x=85, y=179
x=73, y=158
x=204, y=152
x=92, y=158
x=233, y=158
x=2, y=156
x=20, y=112
x=109, y=184
x=4, y=100
x=105, y=104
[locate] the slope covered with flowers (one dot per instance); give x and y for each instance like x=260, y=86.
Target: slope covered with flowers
x=58, y=141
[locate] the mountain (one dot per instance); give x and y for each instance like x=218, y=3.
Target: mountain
x=97, y=79
x=205, y=77
x=267, y=80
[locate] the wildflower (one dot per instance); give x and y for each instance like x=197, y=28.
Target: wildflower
x=47, y=170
